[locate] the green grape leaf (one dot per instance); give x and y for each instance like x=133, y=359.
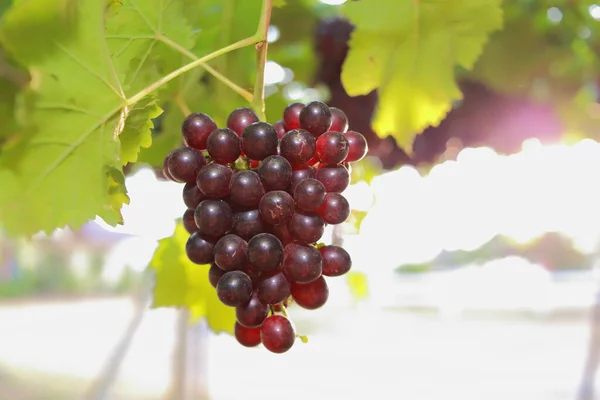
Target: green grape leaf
x=148, y=39
x=8, y=93
x=181, y=283
x=408, y=51
x=87, y=125
x=358, y=285
x=30, y=27
x=138, y=132
x=278, y=3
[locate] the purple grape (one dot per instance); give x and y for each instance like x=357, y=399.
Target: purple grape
x=234, y=288
x=230, y=253
x=339, y=120
x=336, y=260
x=298, y=147
x=276, y=207
x=246, y=189
x=192, y=195
x=291, y=116
x=213, y=217
x=199, y=249
x=259, y=141
x=213, y=180
x=311, y=295
x=309, y=194
x=189, y=223
x=316, y=118
x=301, y=263
x=240, y=118
x=214, y=274
x=273, y=288
x=252, y=314
x=265, y=252
x=306, y=227
x=223, y=146
x=275, y=173
x=332, y=147
x=184, y=164
x=196, y=128
x=335, y=209
x=335, y=178
x=247, y=224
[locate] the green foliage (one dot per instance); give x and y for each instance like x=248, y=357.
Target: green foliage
x=409, y=50
x=181, y=283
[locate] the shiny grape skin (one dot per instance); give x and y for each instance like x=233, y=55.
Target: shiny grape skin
x=273, y=288
x=275, y=173
x=265, y=252
x=247, y=224
x=283, y=233
x=335, y=209
x=336, y=260
x=277, y=334
x=252, y=314
x=301, y=263
x=357, y=146
x=309, y=194
x=213, y=180
x=339, y=120
x=192, y=196
x=199, y=249
x=316, y=118
x=311, y=295
x=189, y=223
x=291, y=116
x=276, y=207
x=223, y=146
x=214, y=274
x=195, y=129
x=299, y=175
x=184, y=164
x=234, y=288
x=247, y=337
x=259, y=141
x=230, y=253
x=298, y=147
x=332, y=147
x=280, y=128
x=335, y=178
x=306, y=227
x=240, y=118
x=213, y=217
x=165, y=168
x=246, y=189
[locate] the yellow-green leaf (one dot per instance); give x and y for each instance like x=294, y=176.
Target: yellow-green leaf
x=181, y=283
x=357, y=283
x=408, y=50
x=138, y=129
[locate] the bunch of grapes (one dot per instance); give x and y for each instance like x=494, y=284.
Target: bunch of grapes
x=259, y=197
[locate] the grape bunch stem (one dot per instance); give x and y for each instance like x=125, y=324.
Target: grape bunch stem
x=259, y=40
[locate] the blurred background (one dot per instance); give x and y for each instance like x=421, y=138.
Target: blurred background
x=475, y=259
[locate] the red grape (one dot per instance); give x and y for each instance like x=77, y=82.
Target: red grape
x=240, y=118
x=335, y=209
x=265, y=252
x=273, y=288
x=247, y=224
x=223, y=145
x=297, y=146
x=335, y=178
x=277, y=334
x=192, y=195
x=259, y=140
x=252, y=314
x=311, y=295
x=316, y=118
x=199, y=249
x=357, y=146
x=280, y=128
x=189, y=223
x=196, y=128
x=184, y=164
x=276, y=207
x=275, y=173
x=306, y=227
x=213, y=217
x=301, y=263
x=234, y=288
x=214, y=274
x=247, y=337
x=309, y=194
x=332, y=147
x=246, y=189
x=336, y=260
x=291, y=116
x=230, y=252
x=339, y=120
x=213, y=180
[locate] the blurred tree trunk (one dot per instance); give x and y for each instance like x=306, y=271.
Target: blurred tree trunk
x=587, y=384
x=189, y=380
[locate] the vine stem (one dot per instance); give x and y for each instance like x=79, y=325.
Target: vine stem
x=259, y=39
x=258, y=102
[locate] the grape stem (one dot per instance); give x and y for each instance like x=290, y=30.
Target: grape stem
x=258, y=102
x=259, y=39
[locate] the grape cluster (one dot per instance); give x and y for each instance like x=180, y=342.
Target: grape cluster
x=259, y=197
